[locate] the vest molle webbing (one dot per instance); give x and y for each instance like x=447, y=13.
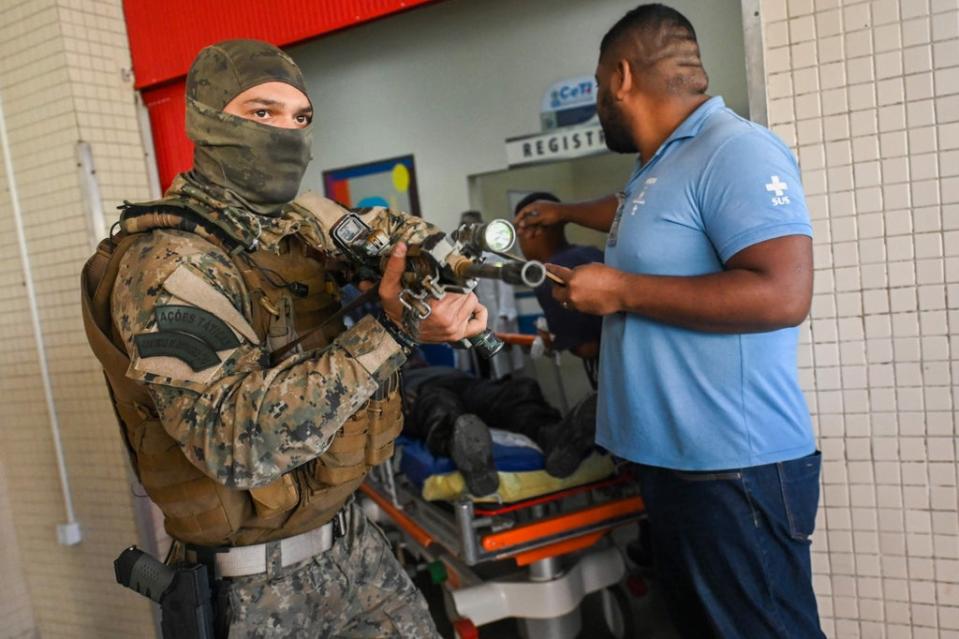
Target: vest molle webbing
x=198, y=509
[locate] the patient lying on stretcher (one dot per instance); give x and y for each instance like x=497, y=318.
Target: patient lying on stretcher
x=452, y=412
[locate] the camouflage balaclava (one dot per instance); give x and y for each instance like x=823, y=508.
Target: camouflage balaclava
x=241, y=162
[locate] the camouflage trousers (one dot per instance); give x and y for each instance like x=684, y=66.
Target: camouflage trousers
x=357, y=588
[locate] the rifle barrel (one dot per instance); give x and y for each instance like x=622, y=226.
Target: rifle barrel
x=529, y=273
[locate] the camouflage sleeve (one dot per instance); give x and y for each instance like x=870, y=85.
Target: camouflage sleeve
x=401, y=227
x=183, y=313
x=321, y=214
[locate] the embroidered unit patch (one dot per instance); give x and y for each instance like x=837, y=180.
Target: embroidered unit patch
x=189, y=334
x=195, y=352
x=198, y=323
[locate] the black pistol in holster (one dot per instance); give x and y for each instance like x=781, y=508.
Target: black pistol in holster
x=441, y=264
x=183, y=592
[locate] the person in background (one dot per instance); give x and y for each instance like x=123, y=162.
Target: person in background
x=568, y=330
x=708, y=274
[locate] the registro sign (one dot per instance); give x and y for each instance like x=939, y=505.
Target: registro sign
x=559, y=144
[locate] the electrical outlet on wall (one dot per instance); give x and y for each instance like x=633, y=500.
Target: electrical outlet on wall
x=69, y=534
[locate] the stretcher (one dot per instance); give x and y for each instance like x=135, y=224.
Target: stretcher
x=534, y=559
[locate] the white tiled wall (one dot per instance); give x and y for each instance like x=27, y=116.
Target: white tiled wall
x=867, y=93
x=16, y=611
x=62, y=80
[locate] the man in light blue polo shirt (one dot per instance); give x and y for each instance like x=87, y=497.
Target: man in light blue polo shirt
x=708, y=272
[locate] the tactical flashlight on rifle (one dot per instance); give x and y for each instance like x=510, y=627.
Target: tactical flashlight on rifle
x=441, y=264
x=183, y=592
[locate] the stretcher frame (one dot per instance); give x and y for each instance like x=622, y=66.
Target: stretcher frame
x=546, y=595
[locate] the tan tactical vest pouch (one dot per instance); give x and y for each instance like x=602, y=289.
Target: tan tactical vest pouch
x=198, y=509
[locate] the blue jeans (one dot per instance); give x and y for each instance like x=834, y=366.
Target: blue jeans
x=731, y=548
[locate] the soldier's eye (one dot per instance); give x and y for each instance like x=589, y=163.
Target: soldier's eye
x=304, y=119
x=261, y=113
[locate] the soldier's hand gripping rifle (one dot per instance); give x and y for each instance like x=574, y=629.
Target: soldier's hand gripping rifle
x=441, y=264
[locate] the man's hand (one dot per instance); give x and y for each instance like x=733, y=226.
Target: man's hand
x=764, y=287
x=453, y=318
x=536, y=216
x=591, y=288
x=594, y=214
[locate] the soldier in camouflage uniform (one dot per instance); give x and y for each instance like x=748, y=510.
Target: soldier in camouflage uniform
x=240, y=444
x=356, y=589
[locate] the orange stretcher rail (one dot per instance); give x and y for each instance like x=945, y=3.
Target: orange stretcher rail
x=559, y=548
x=562, y=523
x=404, y=521
x=517, y=339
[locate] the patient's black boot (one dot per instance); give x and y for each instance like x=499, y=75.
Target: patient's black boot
x=472, y=451
x=573, y=439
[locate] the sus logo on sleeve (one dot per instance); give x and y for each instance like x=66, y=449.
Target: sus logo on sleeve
x=779, y=189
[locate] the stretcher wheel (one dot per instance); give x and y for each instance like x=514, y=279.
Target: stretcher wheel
x=610, y=606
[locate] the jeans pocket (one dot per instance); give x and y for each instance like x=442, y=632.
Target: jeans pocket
x=708, y=475
x=799, y=479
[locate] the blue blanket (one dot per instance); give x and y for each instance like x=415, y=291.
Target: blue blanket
x=417, y=463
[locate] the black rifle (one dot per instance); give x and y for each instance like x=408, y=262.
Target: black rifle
x=441, y=264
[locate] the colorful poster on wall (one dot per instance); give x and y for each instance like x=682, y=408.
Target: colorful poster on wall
x=390, y=183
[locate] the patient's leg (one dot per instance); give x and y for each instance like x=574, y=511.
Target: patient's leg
x=441, y=419
x=516, y=405
x=568, y=442
x=434, y=414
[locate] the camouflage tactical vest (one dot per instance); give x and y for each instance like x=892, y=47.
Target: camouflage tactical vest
x=197, y=509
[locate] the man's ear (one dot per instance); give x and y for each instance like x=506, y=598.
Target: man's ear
x=623, y=80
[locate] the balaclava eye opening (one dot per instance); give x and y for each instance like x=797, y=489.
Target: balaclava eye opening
x=244, y=163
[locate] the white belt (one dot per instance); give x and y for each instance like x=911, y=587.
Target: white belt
x=241, y=561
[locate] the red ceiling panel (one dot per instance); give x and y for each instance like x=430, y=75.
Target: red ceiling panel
x=165, y=35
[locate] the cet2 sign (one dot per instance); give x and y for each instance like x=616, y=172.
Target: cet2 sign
x=569, y=102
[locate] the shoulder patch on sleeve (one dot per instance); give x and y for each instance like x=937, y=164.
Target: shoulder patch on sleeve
x=187, y=333
x=195, y=352
x=196, y=322
x=190, y=287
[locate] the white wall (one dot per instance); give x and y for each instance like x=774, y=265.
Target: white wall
x=868, y=95
x=449, y=83
x=16, y=610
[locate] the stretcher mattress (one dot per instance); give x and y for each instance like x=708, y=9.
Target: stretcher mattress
x=518, y=461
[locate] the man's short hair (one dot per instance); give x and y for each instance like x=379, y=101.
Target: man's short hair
x=532, y=197
x=660, y=44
